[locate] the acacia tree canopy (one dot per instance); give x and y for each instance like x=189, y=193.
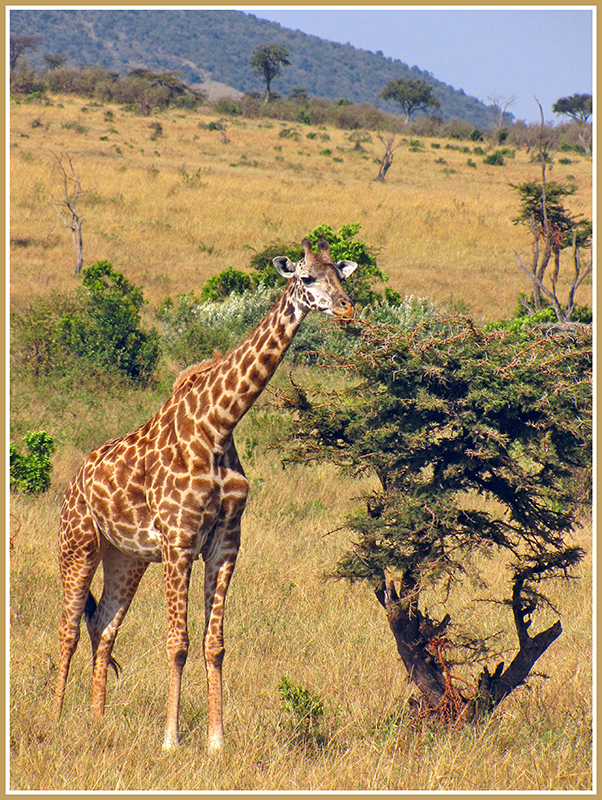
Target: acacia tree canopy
x=412, y=95
x=577, y=106
x=447, y=416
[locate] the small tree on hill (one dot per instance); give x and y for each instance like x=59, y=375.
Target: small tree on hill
x=18, y=46
x=267, y=61
x=481, y=443
x=411, y=95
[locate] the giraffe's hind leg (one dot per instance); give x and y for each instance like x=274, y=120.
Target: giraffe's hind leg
x=79, y=556
x=122, y=574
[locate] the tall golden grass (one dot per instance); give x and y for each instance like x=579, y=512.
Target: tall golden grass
x=167, y=230
x=283, y=619
x=171, y=212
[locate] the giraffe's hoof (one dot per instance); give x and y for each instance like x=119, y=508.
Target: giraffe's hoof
x=170, y=742
x=215, y=745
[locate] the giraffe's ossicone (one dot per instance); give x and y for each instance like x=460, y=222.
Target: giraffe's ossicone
x=173, y=491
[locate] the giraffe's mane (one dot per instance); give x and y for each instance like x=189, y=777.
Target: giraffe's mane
x=196, y=369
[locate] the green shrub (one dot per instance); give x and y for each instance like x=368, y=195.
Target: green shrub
x=229, y=281
x=30, y=473
x=262, y=262
x=95, y=328
x=108, y=333
x=494, y=159
x=302, y=712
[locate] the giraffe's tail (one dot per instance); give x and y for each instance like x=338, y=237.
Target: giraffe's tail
x=89, y=609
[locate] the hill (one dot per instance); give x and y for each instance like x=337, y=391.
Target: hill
x=217, y=45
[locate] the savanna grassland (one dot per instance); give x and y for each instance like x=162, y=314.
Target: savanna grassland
x=169, y=212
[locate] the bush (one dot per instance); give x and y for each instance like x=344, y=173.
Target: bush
x=97, y=327
x=109, y=334
x=230, y=281
x=494, y=159
x=302, y=712
x=31, y=473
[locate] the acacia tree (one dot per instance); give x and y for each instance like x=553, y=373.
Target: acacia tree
x=411, y=95
x=267, y=61
x=578, y=107
x=447, y=416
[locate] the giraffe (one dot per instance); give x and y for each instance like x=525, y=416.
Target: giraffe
x=173, y=491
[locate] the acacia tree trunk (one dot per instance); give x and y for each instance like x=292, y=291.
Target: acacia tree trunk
x=419, y=642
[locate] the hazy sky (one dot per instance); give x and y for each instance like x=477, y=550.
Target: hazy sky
x=513, y=50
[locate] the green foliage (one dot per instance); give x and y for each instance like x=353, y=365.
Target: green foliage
x=30, y=473
x=448, y=416
x=495, y=159
x=262, y=262
x=523, y=322
x=193, y=330
x=302, y=713
x=577, y=106
x=109, y=334
x=229, y=281
x=95, y=328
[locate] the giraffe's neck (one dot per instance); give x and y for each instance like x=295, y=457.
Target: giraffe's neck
x=239, y=378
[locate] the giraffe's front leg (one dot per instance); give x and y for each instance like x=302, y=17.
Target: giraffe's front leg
x=217, y=580
x=177, y=566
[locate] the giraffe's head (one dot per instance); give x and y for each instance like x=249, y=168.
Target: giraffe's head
x=317, y=280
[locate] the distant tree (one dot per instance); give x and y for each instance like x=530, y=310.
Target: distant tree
x=267, y=61
x=19, y=44
x=411, y=95
x=577, y=106
x=55, y=61
x=387, y=159
x=501, y=104
x=554, y=230
x=67, y=209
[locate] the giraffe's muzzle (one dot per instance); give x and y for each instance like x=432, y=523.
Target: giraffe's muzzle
x=344, y=309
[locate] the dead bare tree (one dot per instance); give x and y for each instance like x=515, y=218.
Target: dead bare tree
x=67, y=208
x=387, y=159
x=502, y=104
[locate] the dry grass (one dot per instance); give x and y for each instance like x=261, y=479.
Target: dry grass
x=439, y=234
x=171, y=212
x=282, y=619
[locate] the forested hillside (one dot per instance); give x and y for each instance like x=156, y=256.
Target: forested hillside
x=218, y=45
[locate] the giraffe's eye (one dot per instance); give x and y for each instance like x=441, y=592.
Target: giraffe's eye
x=308, y=280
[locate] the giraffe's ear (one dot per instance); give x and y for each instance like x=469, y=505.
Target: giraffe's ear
x=285, y=266
x=345, y=268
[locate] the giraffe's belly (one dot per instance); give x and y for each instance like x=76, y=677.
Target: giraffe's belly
x=142, y=543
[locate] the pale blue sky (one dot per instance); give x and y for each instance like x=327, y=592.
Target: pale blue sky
x=522, y=51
